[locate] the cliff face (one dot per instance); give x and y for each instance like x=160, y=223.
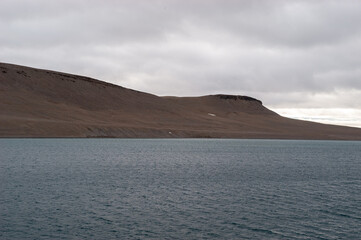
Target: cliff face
x=237, y=97
x=42, y=103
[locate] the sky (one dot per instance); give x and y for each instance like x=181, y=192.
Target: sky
x=300, y=58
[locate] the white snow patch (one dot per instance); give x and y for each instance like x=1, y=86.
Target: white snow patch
x=212, y=114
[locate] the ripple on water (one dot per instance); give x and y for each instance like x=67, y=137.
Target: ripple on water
x=179, y=189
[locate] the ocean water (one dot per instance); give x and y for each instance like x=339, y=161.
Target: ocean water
x=179, y=189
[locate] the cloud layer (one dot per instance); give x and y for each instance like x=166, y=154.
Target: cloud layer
x=290, y=54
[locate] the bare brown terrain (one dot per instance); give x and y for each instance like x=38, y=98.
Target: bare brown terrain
x=42, y=103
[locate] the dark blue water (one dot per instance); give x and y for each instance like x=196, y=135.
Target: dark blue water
x=179, y=189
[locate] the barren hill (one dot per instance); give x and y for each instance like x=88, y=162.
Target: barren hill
x=42, y=103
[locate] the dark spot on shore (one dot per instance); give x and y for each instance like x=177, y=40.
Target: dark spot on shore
x=3, y=70
x=22, y=73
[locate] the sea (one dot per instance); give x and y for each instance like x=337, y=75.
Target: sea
x=179, y=189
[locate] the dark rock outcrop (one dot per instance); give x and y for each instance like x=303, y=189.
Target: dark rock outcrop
x=237, y=97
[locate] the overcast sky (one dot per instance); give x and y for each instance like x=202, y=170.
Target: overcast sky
x=301, y=58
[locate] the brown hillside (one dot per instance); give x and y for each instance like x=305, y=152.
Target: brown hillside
x=42, y=103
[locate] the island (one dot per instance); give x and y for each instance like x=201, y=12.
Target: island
x=36, y=103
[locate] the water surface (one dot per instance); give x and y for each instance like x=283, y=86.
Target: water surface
x=179, y=189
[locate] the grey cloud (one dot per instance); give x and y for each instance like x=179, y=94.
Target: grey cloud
x=283, y=52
